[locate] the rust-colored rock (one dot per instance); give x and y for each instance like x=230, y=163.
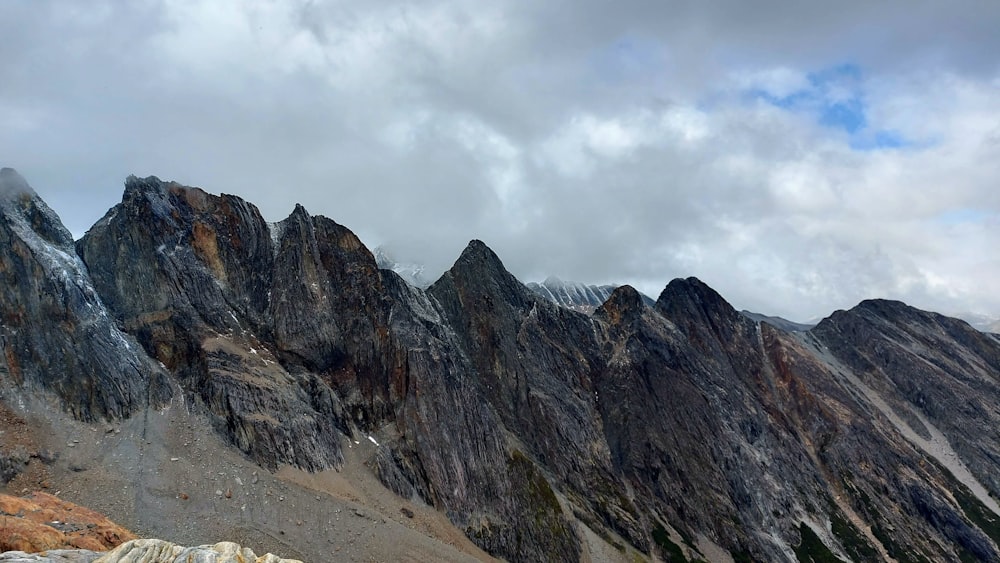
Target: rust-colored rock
x=40, y=522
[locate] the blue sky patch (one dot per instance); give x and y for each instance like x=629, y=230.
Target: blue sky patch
x=964, y=215
x=835, y=98
x=872, y=140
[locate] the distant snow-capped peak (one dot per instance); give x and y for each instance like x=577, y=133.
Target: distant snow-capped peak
x=411, y=273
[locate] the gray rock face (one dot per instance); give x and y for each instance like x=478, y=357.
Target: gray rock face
x=56, y=332
x=670, y=426
x=756, y=430
x=532, y=361
x=938, y=375
x=242, y=312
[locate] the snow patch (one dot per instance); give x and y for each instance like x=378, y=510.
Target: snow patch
x=276, y=230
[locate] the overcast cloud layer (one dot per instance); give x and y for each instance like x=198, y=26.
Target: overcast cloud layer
x=797, y=156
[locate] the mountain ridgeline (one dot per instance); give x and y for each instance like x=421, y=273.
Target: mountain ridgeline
x=574, y=295
x=678, y=428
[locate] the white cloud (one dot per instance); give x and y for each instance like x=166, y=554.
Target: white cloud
x=779, y=82
x=588, y=141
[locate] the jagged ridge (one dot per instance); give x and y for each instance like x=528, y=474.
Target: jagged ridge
x=575, y=295
x=673, y=427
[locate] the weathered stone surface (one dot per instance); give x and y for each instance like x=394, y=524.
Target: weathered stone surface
x=150, y=551
x=51, y=556
x=12, y=462
x=757, y=430
x=451, y=447
x=533, y=361
x=55, y=332
x=195, y=277
x=159, y=551
x=927, y=367
x=41, y=522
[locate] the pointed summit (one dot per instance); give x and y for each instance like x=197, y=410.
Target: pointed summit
x=478, y=284
x=56, y=330
x=27, y=214
x=693, y=298
x=300, y=211
x=136, y=186
x=694, y=307
x=478, y=255
x=624, y=304
x=13, y=183
x=479, y=271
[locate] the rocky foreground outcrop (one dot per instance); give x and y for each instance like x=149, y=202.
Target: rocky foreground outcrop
x=41, y=522
x=676, y=429
x=149, y=551
x=45, y=528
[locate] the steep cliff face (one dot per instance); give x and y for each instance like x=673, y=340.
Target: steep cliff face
x=758, y=433
x=933, y=381
x=56, y=332
x=533, y=362
x=196, y=279
x=531, y=359
x=938, y=374
x=293, y=339
x=689, y=420
x=678, y=427
x=449, y=446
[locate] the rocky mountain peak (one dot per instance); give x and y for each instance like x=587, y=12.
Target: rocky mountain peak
x=884, y=307
x=299, y=212
x=477, y=255
x=883, y=312
x=624, y=304
x=56, y=331
x=479, y=272
x=13, y=183
x=671, y=432
x=135, y=183
x=26, y=212
x=164, y=198
x=136, y=187
x=692, y=301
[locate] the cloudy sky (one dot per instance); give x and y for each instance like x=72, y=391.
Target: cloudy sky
x=797, y=156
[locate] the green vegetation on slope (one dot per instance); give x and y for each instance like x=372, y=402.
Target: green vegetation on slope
x=811, y=549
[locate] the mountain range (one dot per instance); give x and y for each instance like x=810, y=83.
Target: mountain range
x=185, y=344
